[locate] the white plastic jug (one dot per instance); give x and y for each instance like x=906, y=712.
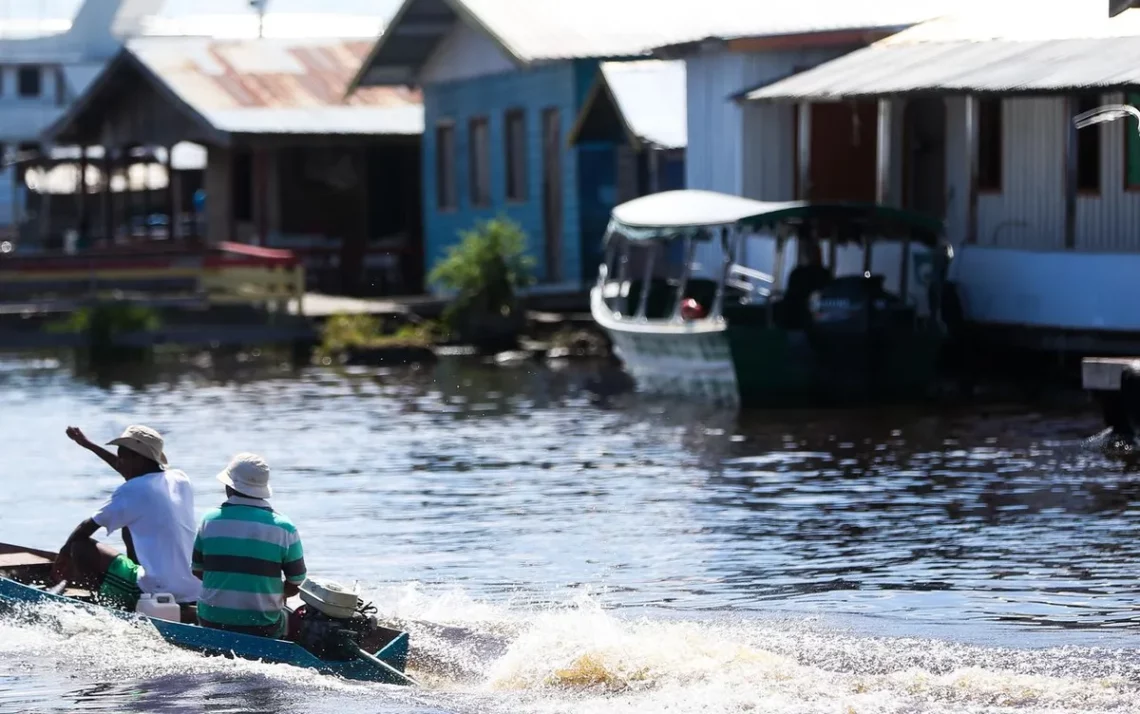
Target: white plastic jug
x=160, y=606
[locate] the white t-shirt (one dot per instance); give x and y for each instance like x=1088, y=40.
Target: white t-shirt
x=159, y=510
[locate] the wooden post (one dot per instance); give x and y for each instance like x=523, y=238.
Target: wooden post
x=108, y=195
x=803, y=152
x=261, y=195
x=17, y=179
x=148, y=161
x=883, y=154
x=84, y=227
x=171, y=196
x=1071, y=159
x=972, y=164
x=128, y=193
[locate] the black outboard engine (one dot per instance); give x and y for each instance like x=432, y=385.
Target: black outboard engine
x=1121, y=414
x=333, y=622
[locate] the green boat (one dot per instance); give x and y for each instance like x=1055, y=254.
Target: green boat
x=700, y=299
x=24, y=573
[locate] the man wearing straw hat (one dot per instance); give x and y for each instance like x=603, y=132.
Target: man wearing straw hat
x=248, y=555
x=154, y=508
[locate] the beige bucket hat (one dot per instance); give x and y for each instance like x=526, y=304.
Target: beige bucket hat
x=247, y=474
x=143, y=441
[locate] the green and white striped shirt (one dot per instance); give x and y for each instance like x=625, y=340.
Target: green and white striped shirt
x=246, y=552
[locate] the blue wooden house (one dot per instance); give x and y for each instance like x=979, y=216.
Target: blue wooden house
x=504, y=83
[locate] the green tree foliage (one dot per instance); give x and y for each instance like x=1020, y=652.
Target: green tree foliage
x=485, y=271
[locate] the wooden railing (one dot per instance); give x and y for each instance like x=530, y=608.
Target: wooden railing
x=226, y=274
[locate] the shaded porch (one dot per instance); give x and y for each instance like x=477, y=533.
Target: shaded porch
x=337, y=185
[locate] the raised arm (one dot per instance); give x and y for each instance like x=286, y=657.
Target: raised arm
x=74, y=433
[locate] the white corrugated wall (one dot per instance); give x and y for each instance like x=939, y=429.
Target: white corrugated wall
x=1029, y=213
x=713, y=158
x=1110, y=222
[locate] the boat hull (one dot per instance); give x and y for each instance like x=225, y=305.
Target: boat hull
x=720, y=363
x=231, y=644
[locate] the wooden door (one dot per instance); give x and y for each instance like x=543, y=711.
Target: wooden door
x=843, y=151
x=552, y=192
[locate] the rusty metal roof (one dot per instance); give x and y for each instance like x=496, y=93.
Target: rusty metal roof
x=1071, y=49
x=278, y=86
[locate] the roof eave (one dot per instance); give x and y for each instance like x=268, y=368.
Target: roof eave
x=408, y=75
x=602, y=87
x=821, y=98
x=127, y=58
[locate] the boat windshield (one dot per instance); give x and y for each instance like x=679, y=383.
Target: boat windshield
x=792, y=252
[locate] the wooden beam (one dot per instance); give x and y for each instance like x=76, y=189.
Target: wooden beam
x=807, y=40
x=803, y=152
x=972, y=117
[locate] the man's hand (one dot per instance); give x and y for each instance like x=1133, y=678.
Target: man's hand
x=74, y=433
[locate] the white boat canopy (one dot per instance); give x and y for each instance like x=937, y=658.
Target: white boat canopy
x=677, y=213
x=691, y=213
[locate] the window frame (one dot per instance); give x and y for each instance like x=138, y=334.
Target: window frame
x=446, y=187
x=995, y=145
x=479, y=161
x=516, y=174
x=28, y=70
x=1089, y=139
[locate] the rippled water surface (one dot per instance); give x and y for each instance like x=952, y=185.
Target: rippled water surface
x=551, y=550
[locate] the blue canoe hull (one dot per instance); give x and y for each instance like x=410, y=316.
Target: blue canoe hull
x=231, y=644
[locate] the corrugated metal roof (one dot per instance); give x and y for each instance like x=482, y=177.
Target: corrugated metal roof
x=278, y=86
x=557, y=29
x=1072, y=49
x=651, y=97
x=546, y=30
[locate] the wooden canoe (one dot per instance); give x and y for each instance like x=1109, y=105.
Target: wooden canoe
x=26, y=572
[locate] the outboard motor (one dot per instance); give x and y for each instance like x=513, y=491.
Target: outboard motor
x=333, y=622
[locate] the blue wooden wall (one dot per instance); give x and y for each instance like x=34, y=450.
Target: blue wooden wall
x=561, y=85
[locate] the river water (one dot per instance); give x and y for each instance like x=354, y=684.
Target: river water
x=554, y=551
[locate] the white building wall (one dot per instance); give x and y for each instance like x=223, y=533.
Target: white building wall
x=713, y=158
x=741, y=148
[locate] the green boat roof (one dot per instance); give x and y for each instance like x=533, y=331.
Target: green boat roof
x=678, y=214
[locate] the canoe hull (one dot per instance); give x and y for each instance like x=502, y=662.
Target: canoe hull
x=232, y=644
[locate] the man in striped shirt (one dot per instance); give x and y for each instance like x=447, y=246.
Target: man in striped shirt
x=248, y=556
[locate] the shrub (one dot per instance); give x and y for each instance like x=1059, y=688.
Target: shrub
x=347, y=332
x=485, y=271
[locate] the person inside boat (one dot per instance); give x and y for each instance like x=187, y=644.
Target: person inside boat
x=154, y=508
x=248, y=556
x=808, y=276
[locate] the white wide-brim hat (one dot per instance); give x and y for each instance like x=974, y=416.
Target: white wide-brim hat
x=248, y=474
x=143, y=441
